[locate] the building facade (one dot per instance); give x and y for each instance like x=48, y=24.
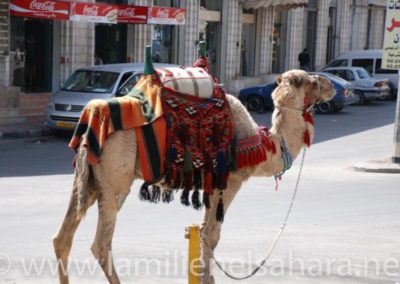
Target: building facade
x=248, y=42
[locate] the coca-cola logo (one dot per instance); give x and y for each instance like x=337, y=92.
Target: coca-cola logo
x=127, y=12
x=162, y=13
x=43, y=6
x=90, y=10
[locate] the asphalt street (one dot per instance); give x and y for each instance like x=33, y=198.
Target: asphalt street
x=344, y=227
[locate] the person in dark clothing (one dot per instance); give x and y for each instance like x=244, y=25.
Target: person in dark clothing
x=304, y=59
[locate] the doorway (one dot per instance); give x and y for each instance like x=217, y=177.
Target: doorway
x=110, y=43
x=38, y=55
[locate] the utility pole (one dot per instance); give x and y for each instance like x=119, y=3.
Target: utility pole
x=391, y=60
x=396, y=138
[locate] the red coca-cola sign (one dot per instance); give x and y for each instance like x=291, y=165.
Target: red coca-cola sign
x=43, y=9
x=166, y=16
x=90, y=12
x=132, y=14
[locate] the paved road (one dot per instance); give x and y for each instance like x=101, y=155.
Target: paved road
x=344, y=228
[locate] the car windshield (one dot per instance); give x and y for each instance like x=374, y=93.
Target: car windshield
x=89, y=81
x=363, y=74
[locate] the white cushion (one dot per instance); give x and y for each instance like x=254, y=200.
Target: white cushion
x=189, y=80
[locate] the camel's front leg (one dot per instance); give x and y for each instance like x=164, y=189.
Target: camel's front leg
x=113, y=176
x=211, y=228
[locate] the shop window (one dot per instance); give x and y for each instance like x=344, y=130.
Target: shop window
x=162, y=47
x=110, y=43
x=210, y=33
x=31, y=54
x=248, y=43
x=211, y=5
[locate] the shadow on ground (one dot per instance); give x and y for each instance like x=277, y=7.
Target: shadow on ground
x=351, y=120
x=51, y=155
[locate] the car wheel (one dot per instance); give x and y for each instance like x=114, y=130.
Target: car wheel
x=255, y=103
x=360, y=97
x=325, y=107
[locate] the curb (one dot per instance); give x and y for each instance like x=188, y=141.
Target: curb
x=378, y=167
x=24, y=133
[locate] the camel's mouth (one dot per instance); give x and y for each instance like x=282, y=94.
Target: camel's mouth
x=325, y=90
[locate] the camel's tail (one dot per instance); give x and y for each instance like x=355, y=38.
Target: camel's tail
x=83, y=181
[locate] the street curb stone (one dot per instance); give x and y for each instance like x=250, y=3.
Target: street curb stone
x=378, y=167
x=23, y=133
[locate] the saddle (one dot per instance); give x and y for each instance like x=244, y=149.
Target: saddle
x=185, y=134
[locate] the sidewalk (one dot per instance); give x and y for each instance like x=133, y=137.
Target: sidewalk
x=23, y=130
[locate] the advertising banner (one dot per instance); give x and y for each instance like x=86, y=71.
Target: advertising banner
x=42, y=9
x=391, y=43
x=166, y=16
x=132, y=14
x=96, y=13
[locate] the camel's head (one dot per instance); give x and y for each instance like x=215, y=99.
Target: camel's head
x=297, y=89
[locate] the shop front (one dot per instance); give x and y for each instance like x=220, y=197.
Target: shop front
x=46, y=40
x=32, y=46
x=166, y=17
x=210, y=17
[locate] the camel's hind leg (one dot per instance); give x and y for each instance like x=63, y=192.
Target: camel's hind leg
x=211, y=228
x=62, y=240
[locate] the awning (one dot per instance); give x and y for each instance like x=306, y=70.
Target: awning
x=289, y=4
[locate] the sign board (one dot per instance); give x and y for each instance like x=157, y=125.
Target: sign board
x=166, y=16
x=391, y=43
x=132, y=14
x=42, y=9
x=96, y=13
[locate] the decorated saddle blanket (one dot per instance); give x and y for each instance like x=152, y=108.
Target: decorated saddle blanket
x=200, y=136
x=141, y=110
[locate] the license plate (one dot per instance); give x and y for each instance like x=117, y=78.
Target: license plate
x=65, y=124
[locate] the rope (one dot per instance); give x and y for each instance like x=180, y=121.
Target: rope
x=278, y=236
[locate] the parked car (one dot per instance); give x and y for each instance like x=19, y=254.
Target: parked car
x=344, y=94
x=371, y=60
x=366, y=88
x=259, y=98
x=85, y=84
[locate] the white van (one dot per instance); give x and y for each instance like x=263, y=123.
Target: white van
x=370, y=60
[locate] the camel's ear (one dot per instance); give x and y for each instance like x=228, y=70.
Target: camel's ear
x=279, y=80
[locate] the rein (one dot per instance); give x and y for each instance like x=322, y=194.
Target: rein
x=287, y=161
x=278, y=235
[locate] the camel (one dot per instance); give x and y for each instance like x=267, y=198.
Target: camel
x=109, y=181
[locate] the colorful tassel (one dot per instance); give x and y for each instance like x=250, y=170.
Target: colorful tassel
x=167, y=196
x=220, y=210
x=196, y=199
x=208, y=182
x=155, y=194
x=185, y=197
x=307, y=139
x=221, y=163
x=197, y=179
x=206, y=199
x=144, y=193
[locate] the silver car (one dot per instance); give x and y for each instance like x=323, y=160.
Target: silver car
x=366, y=88
x=85, y=84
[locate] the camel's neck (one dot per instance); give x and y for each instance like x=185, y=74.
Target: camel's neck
x=290, y=126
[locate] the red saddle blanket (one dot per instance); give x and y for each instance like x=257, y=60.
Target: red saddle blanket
x=200, y=134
